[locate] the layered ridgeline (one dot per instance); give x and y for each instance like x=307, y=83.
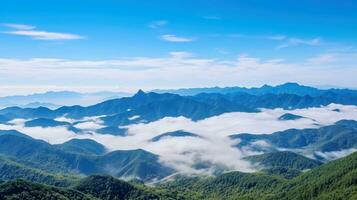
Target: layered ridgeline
x=287, y=88
x=147, y=107
x=23, y=156
x=322, y=143
x=284, y=162
x=85, y=156
x=334, y=180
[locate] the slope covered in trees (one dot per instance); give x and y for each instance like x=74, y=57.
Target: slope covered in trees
x=20, y=189
x=284, y=159
x=53, y=159
x=334, y=180
x=339, y=136
x=11, y=170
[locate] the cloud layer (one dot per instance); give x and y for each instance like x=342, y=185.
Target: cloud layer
x=213, y=146
x=179, y=69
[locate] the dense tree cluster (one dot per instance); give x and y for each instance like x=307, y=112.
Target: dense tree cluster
x=334, y=180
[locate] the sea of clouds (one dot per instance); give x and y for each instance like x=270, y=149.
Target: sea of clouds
x=213, y=146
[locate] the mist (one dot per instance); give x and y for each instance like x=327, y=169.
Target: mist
x=213, y=146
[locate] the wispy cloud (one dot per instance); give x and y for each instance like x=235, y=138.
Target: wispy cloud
x=44, y=35
x=285, y=40
x=174, y=38
x=277, y=37
x=299, y=41
x=31, y=31
x=323, y=59
x=20, y=26
x=332, y=155
x=334, y=59
x=179, y=69
x=180, y=54
x=157, y=24
x=222, y=50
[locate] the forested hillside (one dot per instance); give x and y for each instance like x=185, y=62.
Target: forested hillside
x=333, y=180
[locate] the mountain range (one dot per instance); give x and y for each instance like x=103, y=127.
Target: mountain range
x=148, y=107
x=286, y=88
x=85, y=156
x=342, y=135
x=123, y=148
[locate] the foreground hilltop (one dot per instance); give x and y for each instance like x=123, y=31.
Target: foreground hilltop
x=334, y=180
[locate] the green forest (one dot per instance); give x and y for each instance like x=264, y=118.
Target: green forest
x=334, y=180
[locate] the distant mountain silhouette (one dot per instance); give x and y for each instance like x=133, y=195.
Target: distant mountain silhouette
x=286, y=88
x=148, y=107
x=54, y=99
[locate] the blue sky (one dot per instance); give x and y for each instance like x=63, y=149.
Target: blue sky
x=91, y=45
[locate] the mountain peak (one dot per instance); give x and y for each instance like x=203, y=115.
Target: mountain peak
x=140, y=93
x=290, y=84
x=265, y=86
x=289, y=116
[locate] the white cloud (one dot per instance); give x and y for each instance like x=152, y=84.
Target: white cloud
x=65, y=119
x=157, y=24
x=299, y=41
x=261, y=143
x=212, y=146
x=20, y=26
x=276, y=37
x=180, y=54
x=174, y=38
x=53, y=135
x=44, y=35
x=179, y=69
x=89, y=123
x=241, y=122
x=134, y=117
x=31, y=31
x=285, y=40
x=332, y=155
x=323, y=59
